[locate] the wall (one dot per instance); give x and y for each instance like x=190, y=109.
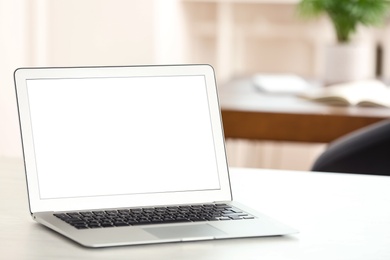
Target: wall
x=90, y=32
x=13, y=44
x=79, y=33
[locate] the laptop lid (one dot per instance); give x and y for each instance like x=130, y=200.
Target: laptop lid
x=108, y=137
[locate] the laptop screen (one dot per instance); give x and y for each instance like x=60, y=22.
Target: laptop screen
x=109, y=137
x=121, y=135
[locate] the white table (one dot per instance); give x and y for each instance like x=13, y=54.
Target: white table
x=339, y=216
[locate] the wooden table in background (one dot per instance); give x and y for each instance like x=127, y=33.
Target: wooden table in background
x=250, y=114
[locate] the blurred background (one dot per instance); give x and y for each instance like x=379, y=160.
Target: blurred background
x=238, y=38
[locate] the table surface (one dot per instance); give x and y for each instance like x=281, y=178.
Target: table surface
x=339, y=216
x=251, y=114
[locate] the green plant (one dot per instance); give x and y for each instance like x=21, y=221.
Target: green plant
x=346, y=15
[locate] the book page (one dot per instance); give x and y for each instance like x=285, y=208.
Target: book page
x=367, y=93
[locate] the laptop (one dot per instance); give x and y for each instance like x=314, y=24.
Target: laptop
x=130, y=155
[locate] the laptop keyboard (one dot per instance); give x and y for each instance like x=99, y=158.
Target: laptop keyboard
x=152, y=215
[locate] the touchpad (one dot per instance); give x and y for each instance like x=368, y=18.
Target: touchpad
x=200, y=230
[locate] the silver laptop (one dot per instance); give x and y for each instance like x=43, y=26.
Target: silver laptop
x=130, y=155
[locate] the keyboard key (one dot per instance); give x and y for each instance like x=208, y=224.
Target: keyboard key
x=107, y=225
x=120, y=224
x=94, y=225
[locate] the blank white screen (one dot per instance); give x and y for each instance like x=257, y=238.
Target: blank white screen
x=112, y=136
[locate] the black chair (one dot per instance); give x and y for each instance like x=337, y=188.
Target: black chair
x=365, y=151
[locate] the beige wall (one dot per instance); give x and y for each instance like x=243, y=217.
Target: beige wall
x=91, y=32
x=13, y=54
x=80, y=32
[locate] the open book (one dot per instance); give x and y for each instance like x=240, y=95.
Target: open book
x=359, y=93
